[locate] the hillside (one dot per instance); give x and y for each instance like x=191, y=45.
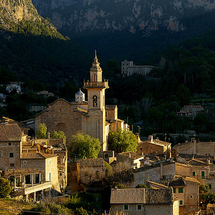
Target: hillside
x=31, y=47
x=131, y=28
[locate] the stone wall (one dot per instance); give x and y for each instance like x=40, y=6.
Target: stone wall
x=198, y=148
x=51, y=167
x=132, y=209
x=9, y=155
x=60, y=116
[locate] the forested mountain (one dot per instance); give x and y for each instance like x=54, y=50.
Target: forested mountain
x=128, y=28
x=31, y=47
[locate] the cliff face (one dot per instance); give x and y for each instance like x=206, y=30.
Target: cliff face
x=12, y=12
x=118, y=15
x=21, y=16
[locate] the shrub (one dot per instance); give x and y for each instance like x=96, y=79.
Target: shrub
x=5, y=188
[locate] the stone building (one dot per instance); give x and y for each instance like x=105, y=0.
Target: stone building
x=186, y=189
x=136, y=201
x=128, y=68
x=154, y=146
x=195, y=147
x=131, y=158
x=31, y=169
x=90, y=170
x=91, y=117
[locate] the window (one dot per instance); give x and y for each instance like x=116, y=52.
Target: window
x=180, y=190
x=174, y=190
x=24, y=162
x=209, y=185
x=9, y=144
x=181, y=202
x=194, y=173
x=50, y=162
x=203, y=174
x=139, y=207
x=0, y=154
x=125, y=208
x=50, y=176
x=11, y=155
x=11, y=164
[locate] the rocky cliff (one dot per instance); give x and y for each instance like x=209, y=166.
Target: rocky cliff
x=21, y=16
x=118, y=15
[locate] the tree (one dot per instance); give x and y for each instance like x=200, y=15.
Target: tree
x=84, y=146
x=42, y=131
x=122, y=141
x=5, y=188
x=58, y=135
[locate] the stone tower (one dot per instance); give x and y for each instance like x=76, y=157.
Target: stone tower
x=96, y=103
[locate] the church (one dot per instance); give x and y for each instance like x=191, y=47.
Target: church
x=90, y=117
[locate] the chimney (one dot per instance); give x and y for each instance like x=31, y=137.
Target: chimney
x=150, y=138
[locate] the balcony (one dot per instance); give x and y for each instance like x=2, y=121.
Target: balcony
x=88, y=84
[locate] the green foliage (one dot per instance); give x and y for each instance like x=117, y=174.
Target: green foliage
x=142, y=186
x=84, y=202
x=42, y=131
x=52, y=208
x=58, y=135
x=122, y=141
x=108, y=169
x=80, y=211
x=5, y=188
x=84, y=146
x=118, y=185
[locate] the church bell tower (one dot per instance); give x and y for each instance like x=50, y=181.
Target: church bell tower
x=96, y=103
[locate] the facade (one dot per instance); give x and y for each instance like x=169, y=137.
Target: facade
x=90, y=170
x=32, y=167
x=195, y=147
x=190, y=111
x=154, y=146
x=132, y=158
x=91, y=117
x=128, y=68
x=186, y=189
x=167, y=170
x=137, y=201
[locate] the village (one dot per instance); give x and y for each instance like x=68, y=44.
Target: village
x=155, y=178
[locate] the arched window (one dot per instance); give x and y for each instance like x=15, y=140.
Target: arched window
x=94, y=101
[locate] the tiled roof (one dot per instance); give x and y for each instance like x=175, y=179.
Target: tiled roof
x=132, y=155
x=92, y=162
x=155, y=185
x=127, y=196
x=31, y=156
x=10, y=132
x=141, y=196
x=197, y=162
x=190, y=179
x=159, y=196
x=177, y=183
x=36, y=155
x=156, y=142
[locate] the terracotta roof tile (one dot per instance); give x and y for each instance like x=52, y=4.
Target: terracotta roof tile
x=127, y=196
x=159, y=196
x=36, y=155
x=91, y=162
x=10, y=132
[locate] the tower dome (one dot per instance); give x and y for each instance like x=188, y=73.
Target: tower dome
x=79, y=96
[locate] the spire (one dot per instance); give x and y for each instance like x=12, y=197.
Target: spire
x=96, y=59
